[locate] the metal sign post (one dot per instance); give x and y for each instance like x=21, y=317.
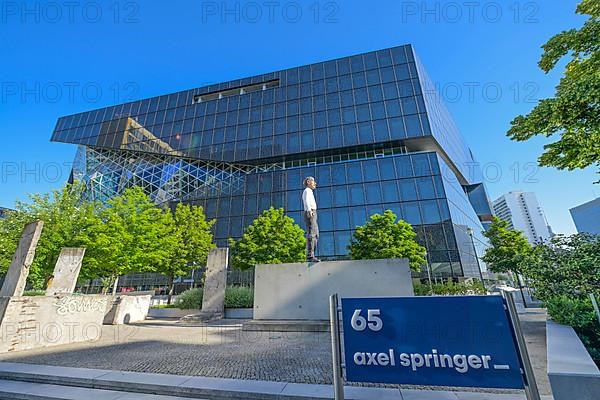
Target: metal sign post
x=531, y=389
x=336, y=352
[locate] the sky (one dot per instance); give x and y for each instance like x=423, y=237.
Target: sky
x=61, y=58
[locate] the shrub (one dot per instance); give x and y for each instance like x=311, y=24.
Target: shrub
x=239, y=297
x=579, y=314
x=191, y=298
x=450, y=289
x=34, y=293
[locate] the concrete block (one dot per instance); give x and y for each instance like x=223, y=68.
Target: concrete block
x=213, y=300
x=301, y=291
x=37, y=321
x=16, y=277
x=66, y=271
x=127, y=309
x=571, y=371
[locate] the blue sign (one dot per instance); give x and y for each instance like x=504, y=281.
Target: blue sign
x=440, y=341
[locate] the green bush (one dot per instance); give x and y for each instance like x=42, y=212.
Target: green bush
x=164, y=306
x=34, y=293
x=579, y=314
x=450, y=289
x=239, y=297
x=189, y=299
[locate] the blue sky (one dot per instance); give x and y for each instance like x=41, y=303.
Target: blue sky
x=59, y=59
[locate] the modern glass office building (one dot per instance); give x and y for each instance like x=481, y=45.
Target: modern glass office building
x=370, y=128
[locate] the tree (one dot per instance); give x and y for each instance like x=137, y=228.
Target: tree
x=574, y=112
x=133, y=235
x=383, y=237
x=509, y=250
x=567, y=265
x=273, y=238
x=67, y=218
x=192, y=239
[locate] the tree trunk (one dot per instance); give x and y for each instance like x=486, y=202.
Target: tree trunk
x=171, y=287
x=521, y=289
x=114, y=293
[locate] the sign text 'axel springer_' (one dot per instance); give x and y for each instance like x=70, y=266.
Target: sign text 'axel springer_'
x=453, y=341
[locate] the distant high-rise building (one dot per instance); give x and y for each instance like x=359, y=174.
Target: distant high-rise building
x=523, y=212
x=587, y=217
x=3, y=212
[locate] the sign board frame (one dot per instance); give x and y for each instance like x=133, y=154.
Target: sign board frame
x=526, y=370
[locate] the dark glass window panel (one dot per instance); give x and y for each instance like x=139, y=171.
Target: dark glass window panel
x=306, y=122
x=307, y=141
x=380, y=129
x=409, y=105
x=280, y=126
x=377, y=110
x=293, y=201
x=426, y=128
x=264, y=202
x=331, y=85
x=413, y=126
x=252, y=183
x=359, y=79
x=224, y=206
x=425, y=188
x=374, y=209
x=347, y=98
x=318, y=88
x=439, y=186
x=334, y=117
x=370, y=60
x=235, y=227
x=305, y=90
x=293, y=123
x=268, y=111
x=342, y=240
x=267, y=128
x=293, y=142
x=402, y=72
x=433, y=161
x=345, y=82
x=387, y=75
x=317, y=71
x=211, y=208
x=373, y=192
x=323, y=195
x=357, y=63
x=292, y=75
x=363, y=113
x=325, y=247
x=373, y=77
x=330, y=69
x=348, y=115
x=365, y=132
x=280, y=110
x=242, y=132
x=398, y=55
x=390, y=191
x=333, y=101
x=430, y=212
x=405, y=88
x=293, y=179
x=340, y=197
x=375, y=93
x=361, y=96
x=449, y=233
x=358, y=216
x=389, y=91
x=397, y=130
x=306, y=105
x=384, y=57
x=335, y=136
x=243, y=116
x=408, y=190
x=321, y=139
x=265, y=183
x=357, y=195
x=293, y=107
x=386, y=168
x=434, y=235
x=319, y=103
x=353, y=172
x=444, y=211
x=421, y=164
x=350, y=134
x=343, y=66
x=338, y=174
x=325, y=220
x=341, y=219
x=254, y=129
x=370, y=170
x=221, y=227
x=411, y=213
x=323, y=175
x=278, y=181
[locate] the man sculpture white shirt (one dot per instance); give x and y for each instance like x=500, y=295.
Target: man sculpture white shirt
x=310, y=218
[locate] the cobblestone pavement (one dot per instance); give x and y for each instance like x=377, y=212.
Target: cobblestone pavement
x=225, y=351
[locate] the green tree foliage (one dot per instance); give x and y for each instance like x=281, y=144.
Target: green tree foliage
x=509, y=250
x=450, y=288
x=191, y=239
x=383, y=237
x=67, y=219
x=574, y=112
x=272, y=238
x=133, y=235
x=567, y=265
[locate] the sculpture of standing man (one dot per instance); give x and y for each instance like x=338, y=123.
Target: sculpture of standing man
x=310, y=218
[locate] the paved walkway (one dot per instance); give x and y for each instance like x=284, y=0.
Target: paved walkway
x=225, y=351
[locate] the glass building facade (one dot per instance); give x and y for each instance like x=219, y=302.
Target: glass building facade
x=370, y=128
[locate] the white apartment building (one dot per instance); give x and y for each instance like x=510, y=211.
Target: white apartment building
x=524, y=213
